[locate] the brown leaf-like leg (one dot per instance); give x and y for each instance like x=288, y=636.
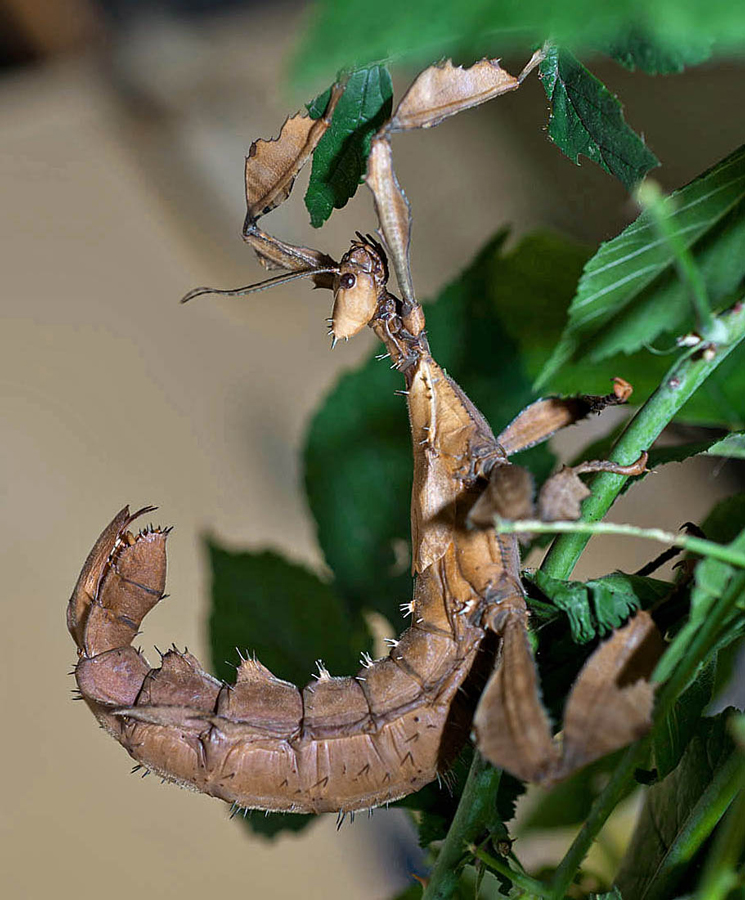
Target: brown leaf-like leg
x=611, y=702
x=562, y=494
x=272, y=166
x=511, y=727
x=443, y=90
x=275, y=254
x=537, y=422
x=393, y=211
x=509, y=494
x=271, y=169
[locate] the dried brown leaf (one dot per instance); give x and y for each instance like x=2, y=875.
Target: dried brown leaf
x=443, y=90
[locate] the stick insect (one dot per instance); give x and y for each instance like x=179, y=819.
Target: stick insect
x=343, y=744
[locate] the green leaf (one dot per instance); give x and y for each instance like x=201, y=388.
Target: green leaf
x=656, y=55
x=340, y=159
x=282, y=612
x=358, y=483
x=629, y=292
x=732, y=446
x=343, y=33
x=413, y=892
x=533, y=284
x=271, y=825
x=670, y=739
x=726, y=520
x=510, y=791
x=672, y=810
x=586, y=119
x=317, y=107
x=358, y=448
x=596, y=607
x=711, y=580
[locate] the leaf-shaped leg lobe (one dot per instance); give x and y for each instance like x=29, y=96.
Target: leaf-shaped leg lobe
x=612, y=700
x=511, y=726
x=609, y=707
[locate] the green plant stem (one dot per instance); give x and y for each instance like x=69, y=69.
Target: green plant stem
x=686, y=542
x=475, y=813
x=522, y=881
x=680, y=383
x=686, y=655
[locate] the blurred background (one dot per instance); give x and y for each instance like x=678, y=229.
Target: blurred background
x=123, y=127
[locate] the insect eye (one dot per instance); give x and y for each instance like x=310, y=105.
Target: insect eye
x=347, y=281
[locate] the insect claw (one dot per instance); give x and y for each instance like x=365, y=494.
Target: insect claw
x=333, y=341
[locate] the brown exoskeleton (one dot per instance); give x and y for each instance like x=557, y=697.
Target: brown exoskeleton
x=343, y=744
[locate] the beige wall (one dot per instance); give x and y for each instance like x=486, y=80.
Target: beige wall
x=110, y=393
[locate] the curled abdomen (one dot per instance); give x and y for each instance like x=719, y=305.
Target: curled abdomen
x=340, y=744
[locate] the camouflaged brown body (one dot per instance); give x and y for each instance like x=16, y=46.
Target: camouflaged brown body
x=343, y=744
x=340, y=743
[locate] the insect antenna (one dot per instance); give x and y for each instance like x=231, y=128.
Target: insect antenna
x=259, y=286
